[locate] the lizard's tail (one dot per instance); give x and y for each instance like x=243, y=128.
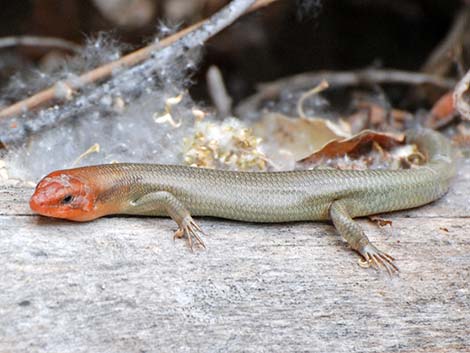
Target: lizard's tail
x=437, y=148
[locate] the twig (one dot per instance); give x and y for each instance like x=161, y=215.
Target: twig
x=207, y=28
x=339, y=79
x=218, y=92
x=440, y=59
x=323, y=85
x=35, y=41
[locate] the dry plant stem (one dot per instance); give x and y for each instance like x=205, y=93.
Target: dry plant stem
x=340, y=78
x=207, y=29
x=315, y=90
x=218, y=92
x=34, y=41
x=442, y=57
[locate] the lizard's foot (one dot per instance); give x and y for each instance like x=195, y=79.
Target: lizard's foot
x=377, y=259
x=191, y=229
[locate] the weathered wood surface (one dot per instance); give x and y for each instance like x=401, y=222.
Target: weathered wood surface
x=122, y=285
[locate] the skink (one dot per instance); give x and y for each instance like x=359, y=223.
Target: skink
x=84, y=194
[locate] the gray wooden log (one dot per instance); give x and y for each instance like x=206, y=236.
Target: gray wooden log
x=120, y=284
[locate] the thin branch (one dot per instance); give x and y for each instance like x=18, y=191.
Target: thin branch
x=339, y=79
x=207, y=29
x=441, y=59
x=34, y=41
x=218, y=91
x=323, y=85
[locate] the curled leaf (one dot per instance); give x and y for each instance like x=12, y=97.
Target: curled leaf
x=443, y=111
x=337, y=148
x=300, y=137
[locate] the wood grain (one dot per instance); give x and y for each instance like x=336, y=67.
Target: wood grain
x=121, y=284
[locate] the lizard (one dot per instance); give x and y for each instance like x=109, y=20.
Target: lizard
x=181, y=192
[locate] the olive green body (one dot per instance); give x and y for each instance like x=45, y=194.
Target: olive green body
x=282, y=196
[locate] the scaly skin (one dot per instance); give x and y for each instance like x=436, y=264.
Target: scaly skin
x=87, y=193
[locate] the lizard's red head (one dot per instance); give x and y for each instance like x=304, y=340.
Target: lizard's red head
x=62, y=194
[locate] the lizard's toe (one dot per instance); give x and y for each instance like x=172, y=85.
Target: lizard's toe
x=378, y=259
x=192, y=230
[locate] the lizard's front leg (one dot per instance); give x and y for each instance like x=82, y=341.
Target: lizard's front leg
x=175, y=209
x=354, y=235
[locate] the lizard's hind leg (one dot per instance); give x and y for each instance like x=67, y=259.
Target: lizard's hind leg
x=354, y=235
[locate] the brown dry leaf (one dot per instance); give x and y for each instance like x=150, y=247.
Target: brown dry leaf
x=350, y=145
x=444, y=105
x=377, y=116
x=377, y=113
x=299, y=136
x=443, y=112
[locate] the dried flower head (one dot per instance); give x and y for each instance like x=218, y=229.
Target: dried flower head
x=225, y=145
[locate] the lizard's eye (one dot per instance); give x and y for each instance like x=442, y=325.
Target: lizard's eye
x=67, y=199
